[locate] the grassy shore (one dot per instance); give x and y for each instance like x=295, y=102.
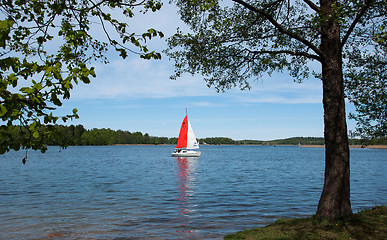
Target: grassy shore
x=367, y=224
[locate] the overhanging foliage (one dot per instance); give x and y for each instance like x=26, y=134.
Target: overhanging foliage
x=47, y=47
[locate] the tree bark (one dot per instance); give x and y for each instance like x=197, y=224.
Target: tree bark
x=335, y=199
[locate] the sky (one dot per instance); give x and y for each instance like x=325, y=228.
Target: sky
x=137, y=95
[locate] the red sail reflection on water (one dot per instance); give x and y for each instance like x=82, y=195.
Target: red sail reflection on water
x=185, y=178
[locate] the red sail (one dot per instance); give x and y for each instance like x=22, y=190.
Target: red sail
x=182, y=141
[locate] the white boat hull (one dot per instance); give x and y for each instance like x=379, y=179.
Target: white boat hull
x=186, y=153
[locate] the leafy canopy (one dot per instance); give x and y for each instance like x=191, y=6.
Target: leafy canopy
x=366, y=87
x=47, y=47
x=233, y=44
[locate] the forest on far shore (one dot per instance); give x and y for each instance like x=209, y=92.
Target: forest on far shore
x=78, y=135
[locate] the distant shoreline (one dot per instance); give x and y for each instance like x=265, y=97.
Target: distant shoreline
x=304, y=146
x=350, y=146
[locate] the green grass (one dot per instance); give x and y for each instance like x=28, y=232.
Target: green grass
x=367, y=224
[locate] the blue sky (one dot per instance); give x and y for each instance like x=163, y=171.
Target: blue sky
x=137, y=95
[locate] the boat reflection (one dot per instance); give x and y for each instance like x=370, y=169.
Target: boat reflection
x=186, y=185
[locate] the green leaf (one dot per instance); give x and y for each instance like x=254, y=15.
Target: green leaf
x=5, y=26
x=35, y=134
x=92, y=72
x=26, y=90
x=123, y=53
x=3, y=110
x=38, y=86
x=85, y=80
x=13, y=79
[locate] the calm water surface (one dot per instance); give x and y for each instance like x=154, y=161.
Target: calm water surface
x=140, y=192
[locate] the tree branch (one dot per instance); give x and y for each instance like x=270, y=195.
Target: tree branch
x=97, y=5
x=111, y=40
x=301, y=54
x=312, y=5
x=280, y=28
x=357, y=19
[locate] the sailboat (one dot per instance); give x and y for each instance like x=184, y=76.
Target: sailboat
x=186, y=142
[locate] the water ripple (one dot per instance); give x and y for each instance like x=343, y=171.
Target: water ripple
x=140, y=192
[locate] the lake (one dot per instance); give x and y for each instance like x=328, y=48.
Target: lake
x=140, y=192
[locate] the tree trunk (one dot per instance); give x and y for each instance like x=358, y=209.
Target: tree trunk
x=335, y=198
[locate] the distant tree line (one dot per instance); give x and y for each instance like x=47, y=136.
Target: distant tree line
x=216, y=140
x=78, y=135
x=314, y=141
x=290, y=141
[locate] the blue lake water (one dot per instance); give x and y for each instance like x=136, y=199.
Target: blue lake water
x=140, y=192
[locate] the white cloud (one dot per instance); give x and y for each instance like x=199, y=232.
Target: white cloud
x=281, y=89
x=138, y=78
